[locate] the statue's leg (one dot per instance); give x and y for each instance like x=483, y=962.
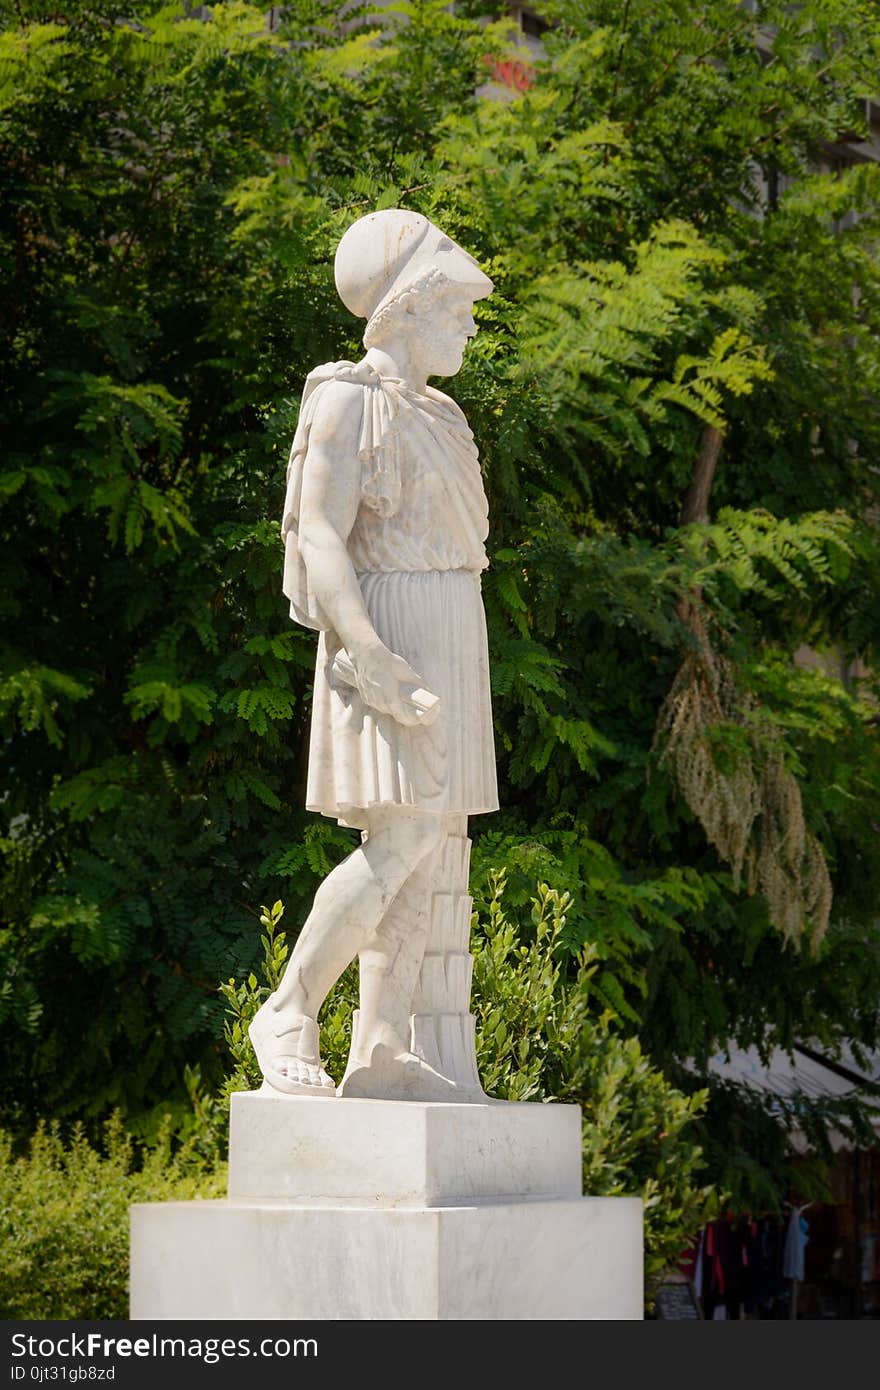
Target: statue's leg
x=390, y=962
x=415, y=983
x=347, y=910
x=382, y=1064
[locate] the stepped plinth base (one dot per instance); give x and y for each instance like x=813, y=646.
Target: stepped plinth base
x=389, y=1210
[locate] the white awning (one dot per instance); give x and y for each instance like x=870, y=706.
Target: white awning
x=807, y=1072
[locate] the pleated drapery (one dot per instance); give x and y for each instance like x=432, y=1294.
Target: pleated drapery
x=360, y=758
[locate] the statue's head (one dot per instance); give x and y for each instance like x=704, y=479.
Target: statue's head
x=406, y=277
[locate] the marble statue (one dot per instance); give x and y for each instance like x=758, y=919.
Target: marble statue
x=398, y=1208
x=385, y=522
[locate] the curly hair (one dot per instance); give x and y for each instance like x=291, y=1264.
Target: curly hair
x=426, y=290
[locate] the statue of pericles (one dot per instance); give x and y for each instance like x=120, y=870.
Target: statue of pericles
x=384, y=523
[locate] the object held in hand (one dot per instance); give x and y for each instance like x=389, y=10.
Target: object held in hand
x=425, y=702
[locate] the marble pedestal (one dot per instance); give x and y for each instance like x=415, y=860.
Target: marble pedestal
x=388, y=1210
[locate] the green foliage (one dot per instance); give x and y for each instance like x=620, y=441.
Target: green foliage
x=670, y=254
x=64, y=1216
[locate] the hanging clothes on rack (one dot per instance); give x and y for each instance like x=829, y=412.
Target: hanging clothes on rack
x=796, y=1236
x=737, y=1264
x=724, y=1270
x=765, y=1245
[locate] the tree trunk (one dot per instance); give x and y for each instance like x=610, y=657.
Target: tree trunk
x=695, y=506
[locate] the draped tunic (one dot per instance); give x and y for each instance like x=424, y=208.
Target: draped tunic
x=417, y=546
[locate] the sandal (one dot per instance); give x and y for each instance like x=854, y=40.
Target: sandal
x=265, y=1032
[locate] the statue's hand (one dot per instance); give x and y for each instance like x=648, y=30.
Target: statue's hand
x=387, y=683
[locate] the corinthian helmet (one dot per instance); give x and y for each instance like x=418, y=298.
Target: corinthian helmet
x=384, y=254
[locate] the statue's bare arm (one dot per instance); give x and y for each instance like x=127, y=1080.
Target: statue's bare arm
x=329, y=505
x=330, y=496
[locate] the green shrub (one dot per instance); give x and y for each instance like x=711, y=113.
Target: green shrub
x=64, y=1217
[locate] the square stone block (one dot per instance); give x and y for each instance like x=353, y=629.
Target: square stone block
x=401, y=1153
x=557, y=1259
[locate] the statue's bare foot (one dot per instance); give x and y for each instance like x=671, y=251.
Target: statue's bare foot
x=388, y=1075
x=287, y=1051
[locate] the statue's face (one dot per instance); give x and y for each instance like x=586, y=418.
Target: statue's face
x=440, y=332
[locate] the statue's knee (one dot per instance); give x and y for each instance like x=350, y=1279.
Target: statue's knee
x=428, y=838
x=424, y=834
x=398, y=843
